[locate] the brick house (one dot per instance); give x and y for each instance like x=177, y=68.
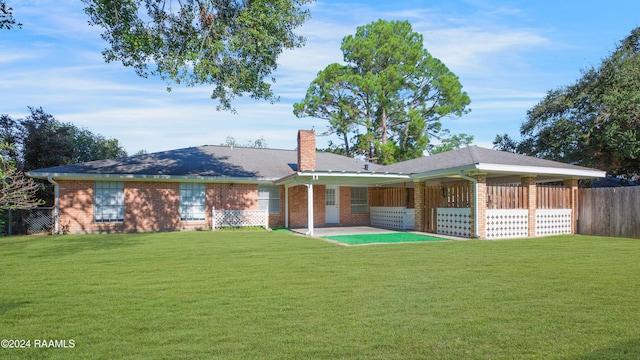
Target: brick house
x=470, y=192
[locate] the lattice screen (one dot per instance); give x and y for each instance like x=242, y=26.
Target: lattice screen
x=240, y=218
x=454, y=221
x=40, y=220
x=502, y=224
x=553, y=222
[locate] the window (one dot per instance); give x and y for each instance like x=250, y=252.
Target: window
x=330, y=197
x=359, y=200
x=269, y=198
x=108, y=201
x=192, y=201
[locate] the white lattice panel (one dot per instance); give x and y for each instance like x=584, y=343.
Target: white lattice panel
x=553, y=222
x=388, y=217
x=240, y=218
x=502, y=224
x=455, y=222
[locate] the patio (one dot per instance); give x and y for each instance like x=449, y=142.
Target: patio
x=321, y=232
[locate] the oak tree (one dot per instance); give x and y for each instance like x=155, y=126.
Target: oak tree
x=594, y=122
x=230, y=44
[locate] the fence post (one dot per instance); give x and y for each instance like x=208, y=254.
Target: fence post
x=266, y=218
x=573, y=203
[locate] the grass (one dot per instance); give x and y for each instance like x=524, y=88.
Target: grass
x=396, y=237
x=271, y=295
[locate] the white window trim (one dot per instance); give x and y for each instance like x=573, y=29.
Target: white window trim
x=366, y=200
x=197, y=201
x=271, y=199
x=108, y=200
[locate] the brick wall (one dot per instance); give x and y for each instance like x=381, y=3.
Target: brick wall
x=418, y=199
x=482, y=207
x=152, y=206
x=298, y=206
x=346, y=217
x=76, y=209
x=532, y=189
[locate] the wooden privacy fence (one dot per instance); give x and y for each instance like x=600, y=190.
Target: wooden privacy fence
x=554, y=197
x=392, y=197
x=507, y=196
x=515, y=196
x=457, y=195
x=609, y=212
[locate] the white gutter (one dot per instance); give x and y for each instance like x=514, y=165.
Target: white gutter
x=172, y=178
x=56, y=207
x=538, y=170
x=475, y=201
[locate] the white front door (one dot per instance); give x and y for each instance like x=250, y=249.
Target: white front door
x=331, y=205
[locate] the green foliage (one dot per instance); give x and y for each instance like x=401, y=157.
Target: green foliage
x=388, y=98
x=448, y=143
x=594, y=122
x=257, y=143
x=233, y=45
x=7, y=20
x=44, y=142
x=269, y=295
x=40, y=141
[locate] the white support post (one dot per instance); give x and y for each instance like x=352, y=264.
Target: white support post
x=266, y=219
x=286, y=207
x=310, y=209
x=213, y=218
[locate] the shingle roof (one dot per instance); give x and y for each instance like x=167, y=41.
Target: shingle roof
x=274, y=164
x=210, y=161
x=474, y=155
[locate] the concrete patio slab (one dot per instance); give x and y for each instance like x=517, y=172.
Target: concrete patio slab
x=343, y=230
x=359, y=230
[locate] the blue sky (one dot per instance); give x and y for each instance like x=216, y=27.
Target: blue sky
x=507, y=54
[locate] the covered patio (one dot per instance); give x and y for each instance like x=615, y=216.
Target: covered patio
x=466, y=193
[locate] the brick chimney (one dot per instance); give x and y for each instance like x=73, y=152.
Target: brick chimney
x=306, y=150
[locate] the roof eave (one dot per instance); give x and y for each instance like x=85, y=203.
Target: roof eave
x=383, y=176
x=426, y=175
x=540, y=170
x=155, y=178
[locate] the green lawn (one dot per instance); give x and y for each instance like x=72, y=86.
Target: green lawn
x=258, y=295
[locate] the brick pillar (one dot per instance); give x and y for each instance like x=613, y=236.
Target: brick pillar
x=481, y=197
x=306, y=150
x=532, y=201
x=418, y=197
x=573, y=198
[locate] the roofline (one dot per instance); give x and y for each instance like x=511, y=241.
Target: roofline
x=483, y=167
x=540, y=170
x=361, y=174
x=442, y=172
x=160, y=178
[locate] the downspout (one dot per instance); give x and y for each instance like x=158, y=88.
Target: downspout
x=475, y=201
x=56, y=206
